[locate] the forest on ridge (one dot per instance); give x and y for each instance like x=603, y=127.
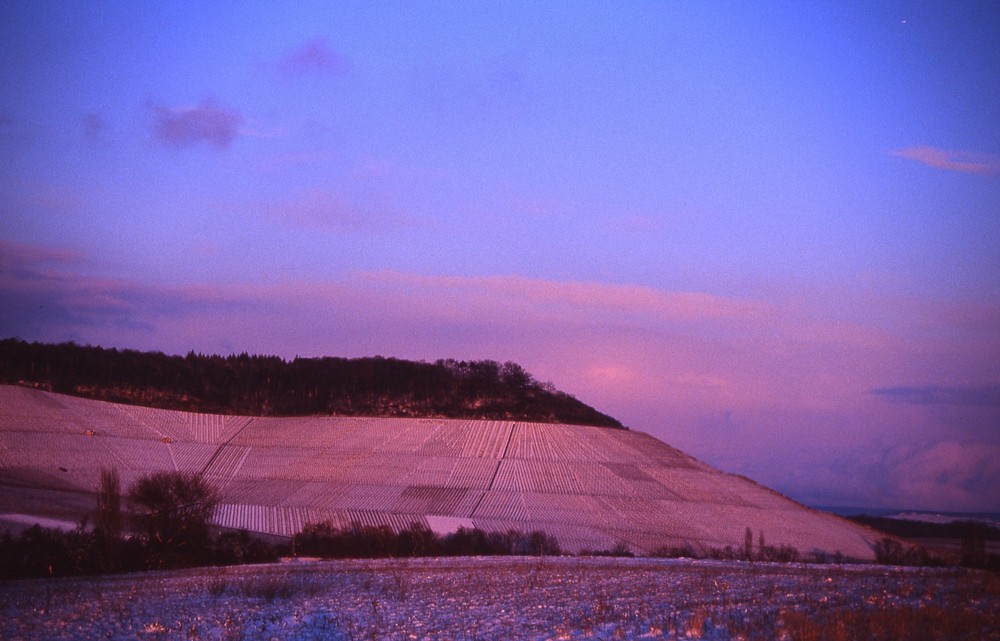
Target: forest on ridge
x=259, y=385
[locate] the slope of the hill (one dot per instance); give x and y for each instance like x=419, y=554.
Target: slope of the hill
x=271, y=386
x=592, y=488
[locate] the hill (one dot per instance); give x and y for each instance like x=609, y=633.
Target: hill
x=590, y=487
x=270, y=386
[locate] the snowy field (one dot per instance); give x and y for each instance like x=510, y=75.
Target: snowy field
x=504, y=598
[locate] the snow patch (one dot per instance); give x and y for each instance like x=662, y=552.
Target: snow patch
x=444, y=525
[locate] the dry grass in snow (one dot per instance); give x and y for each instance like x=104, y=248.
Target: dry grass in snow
x=520, y=598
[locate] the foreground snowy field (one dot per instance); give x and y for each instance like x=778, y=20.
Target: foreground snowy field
x=504, y=598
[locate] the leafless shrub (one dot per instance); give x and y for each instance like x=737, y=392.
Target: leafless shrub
x=268, y=588
x=108, y=521
x=218, y=585
x=398, y=584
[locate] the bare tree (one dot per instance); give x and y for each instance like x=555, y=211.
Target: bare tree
x=108, y=521
x=174, y=512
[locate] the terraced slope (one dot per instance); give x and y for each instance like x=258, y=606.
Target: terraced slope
x=590, y=487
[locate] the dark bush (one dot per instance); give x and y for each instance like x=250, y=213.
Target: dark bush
x=889, y=551
x=237, y=548
x=359, y=541
x=39, y=552
x=780, y=554
x=685, y=551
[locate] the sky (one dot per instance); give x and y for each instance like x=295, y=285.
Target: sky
x=767, y=234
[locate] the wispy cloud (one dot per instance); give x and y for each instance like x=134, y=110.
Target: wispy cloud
x=207, y=122
x=312, y=57
x=329, y=211
x=625, y=299
x=984, y=396
x=46, y=197
x=94, y=127
x=961, y=161
x=15, y=256
x=944, y=473
x=46, y=294
x=637, y=224
x=41, y=289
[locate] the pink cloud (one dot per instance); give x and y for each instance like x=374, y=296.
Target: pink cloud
x=312, y=57
x=624, y=344
x=962, y=161
x=188, y=126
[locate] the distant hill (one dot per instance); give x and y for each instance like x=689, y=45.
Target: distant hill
x=914, y=529
x=271, y=386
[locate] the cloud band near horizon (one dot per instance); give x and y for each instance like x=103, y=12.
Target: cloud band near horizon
x=961, y=161
x=669, y=363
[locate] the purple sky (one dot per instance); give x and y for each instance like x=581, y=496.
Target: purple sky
x=767, y=236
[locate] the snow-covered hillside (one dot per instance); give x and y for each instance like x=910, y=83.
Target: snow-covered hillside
x=592, y=488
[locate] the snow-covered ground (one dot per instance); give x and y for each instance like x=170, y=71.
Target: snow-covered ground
x=505, y=598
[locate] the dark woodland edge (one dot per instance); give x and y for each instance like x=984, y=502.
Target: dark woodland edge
x=256, y=385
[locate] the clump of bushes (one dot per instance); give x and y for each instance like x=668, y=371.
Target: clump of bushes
x=889, y=551
x=169, y=529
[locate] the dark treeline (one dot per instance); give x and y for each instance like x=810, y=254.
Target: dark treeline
x=926, y=530
x=40, y=552
x=972, y=536
x=271, y=386
x=368, y=542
